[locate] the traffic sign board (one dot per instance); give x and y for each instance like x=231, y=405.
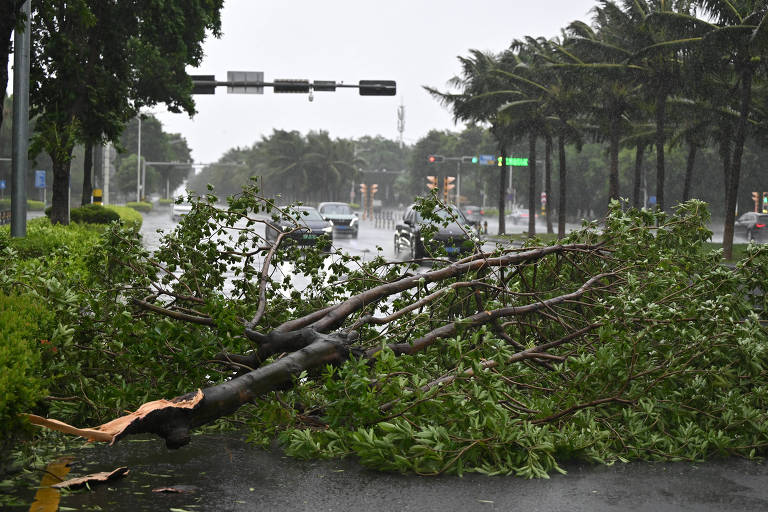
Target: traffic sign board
x=487, y=160
x=2, y=184
x=39, y=179
x=248, y=78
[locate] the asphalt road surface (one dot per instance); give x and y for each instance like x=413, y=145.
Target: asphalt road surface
x=220, y=472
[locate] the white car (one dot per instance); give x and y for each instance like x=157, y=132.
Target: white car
x=180, y=210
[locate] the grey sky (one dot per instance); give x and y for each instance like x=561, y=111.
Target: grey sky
x=414, y=42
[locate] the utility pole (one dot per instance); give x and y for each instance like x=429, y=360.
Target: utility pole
x=401, y=121
x=20, y=145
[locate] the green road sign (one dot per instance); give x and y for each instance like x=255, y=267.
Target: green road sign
x=514, y=161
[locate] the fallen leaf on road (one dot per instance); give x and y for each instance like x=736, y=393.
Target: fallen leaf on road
x=95, y=478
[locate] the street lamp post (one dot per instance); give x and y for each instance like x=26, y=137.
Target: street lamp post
x=22, y=43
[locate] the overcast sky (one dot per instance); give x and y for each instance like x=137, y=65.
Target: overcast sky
x=414, y=42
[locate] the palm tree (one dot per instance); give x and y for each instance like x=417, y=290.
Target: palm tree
x=601, y=56
x=482, y=92
x=739, y=37
x=557, y=97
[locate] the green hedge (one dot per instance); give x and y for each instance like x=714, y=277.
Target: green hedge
x=43, y=239
x=142, y=206
x=165, y=202
x=93, y=214
x=32, y=206
x=128, y=215
x=23, y=350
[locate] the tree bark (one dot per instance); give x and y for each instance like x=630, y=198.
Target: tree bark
x=548, y=182
x=532, y=184
x=60, y=192
x=562, y=195
x=638, y=175
x=87, y=173
x=738, y=150
x=689, y=171
x=661, y=106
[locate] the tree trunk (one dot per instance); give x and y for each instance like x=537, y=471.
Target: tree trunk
x=87, y=173
x=725, y=154
x=638, y=175
x=689, y=171
x=548, y=182
x=562, y=195
x=613, y=174
x=532, y=184
x=738, y=150
x=661, y=104
x=60, y=192
x=9, y=11
x=502, y=187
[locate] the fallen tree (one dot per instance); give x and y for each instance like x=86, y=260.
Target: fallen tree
x=624, y=343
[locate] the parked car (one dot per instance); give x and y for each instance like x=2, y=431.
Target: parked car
x=180, y=210
x=474, y=215
x=752, y=225
x=345, y=221
x=452, y=234
x=311, y=226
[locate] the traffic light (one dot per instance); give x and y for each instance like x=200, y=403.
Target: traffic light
x=363, y=188
x=203, y=84
x=756, y=199
x=469, y=159
x=435, y=159
x=431, y=182
x=290, y=85
x=374, y=188
x=447, y=186
x=377, y=87
x=765, y=202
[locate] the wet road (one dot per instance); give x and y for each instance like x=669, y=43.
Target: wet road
x=219, y=472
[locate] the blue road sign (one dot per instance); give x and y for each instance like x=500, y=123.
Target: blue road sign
x=2, y=184
x=39, y=179
x=487, y=160
x=651, y=199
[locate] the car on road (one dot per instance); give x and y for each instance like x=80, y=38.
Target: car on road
x=179, y=210
x=344, y=219
x=306, y=229
x=518, y=216
x=753, y=226
x=474, y=215
x=452, y=233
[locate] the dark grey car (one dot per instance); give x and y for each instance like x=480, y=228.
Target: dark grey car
x=453, y=236
x=311, y=227
x=753, y=226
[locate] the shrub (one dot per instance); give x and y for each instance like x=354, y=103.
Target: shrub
x=130, y=217
x=43, y=239
x=23, y=348
x=93, y=214
x=142, y=206
x=32, y=206
x=164, y=202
